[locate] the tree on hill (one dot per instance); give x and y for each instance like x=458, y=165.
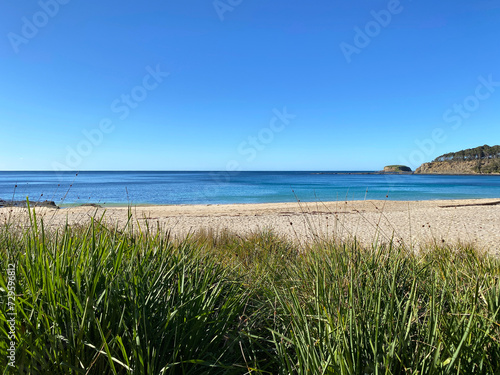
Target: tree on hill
x=478, y=153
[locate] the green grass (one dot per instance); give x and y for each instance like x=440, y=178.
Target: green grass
x=101, y=300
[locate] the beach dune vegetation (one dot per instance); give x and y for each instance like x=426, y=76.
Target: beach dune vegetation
x=106, y=300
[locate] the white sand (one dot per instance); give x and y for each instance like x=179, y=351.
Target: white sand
x=414, y=222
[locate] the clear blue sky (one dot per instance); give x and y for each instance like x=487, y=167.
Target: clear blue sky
x=368, y=83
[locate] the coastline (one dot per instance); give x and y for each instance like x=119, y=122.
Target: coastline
x=413, y=223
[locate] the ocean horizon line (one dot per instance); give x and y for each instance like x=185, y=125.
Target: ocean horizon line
x=219, y=187
x=186, y=170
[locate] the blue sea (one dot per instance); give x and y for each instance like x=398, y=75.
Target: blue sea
x=137, y=188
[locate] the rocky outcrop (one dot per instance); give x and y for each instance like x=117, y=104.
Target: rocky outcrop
x=484, y=166
x=479, y=160
x=397, y=169
x=48, y=204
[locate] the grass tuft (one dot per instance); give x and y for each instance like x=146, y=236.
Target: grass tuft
x=100, y=300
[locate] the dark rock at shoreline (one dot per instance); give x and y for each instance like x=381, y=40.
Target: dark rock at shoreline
x=91, y=205
x=47, y=204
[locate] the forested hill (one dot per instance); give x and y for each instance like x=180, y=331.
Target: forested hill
x=480, y=160
x=478, y=153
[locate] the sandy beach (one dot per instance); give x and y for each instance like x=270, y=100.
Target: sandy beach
x=413, y=223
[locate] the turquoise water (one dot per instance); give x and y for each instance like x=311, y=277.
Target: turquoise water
x=239, y=187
